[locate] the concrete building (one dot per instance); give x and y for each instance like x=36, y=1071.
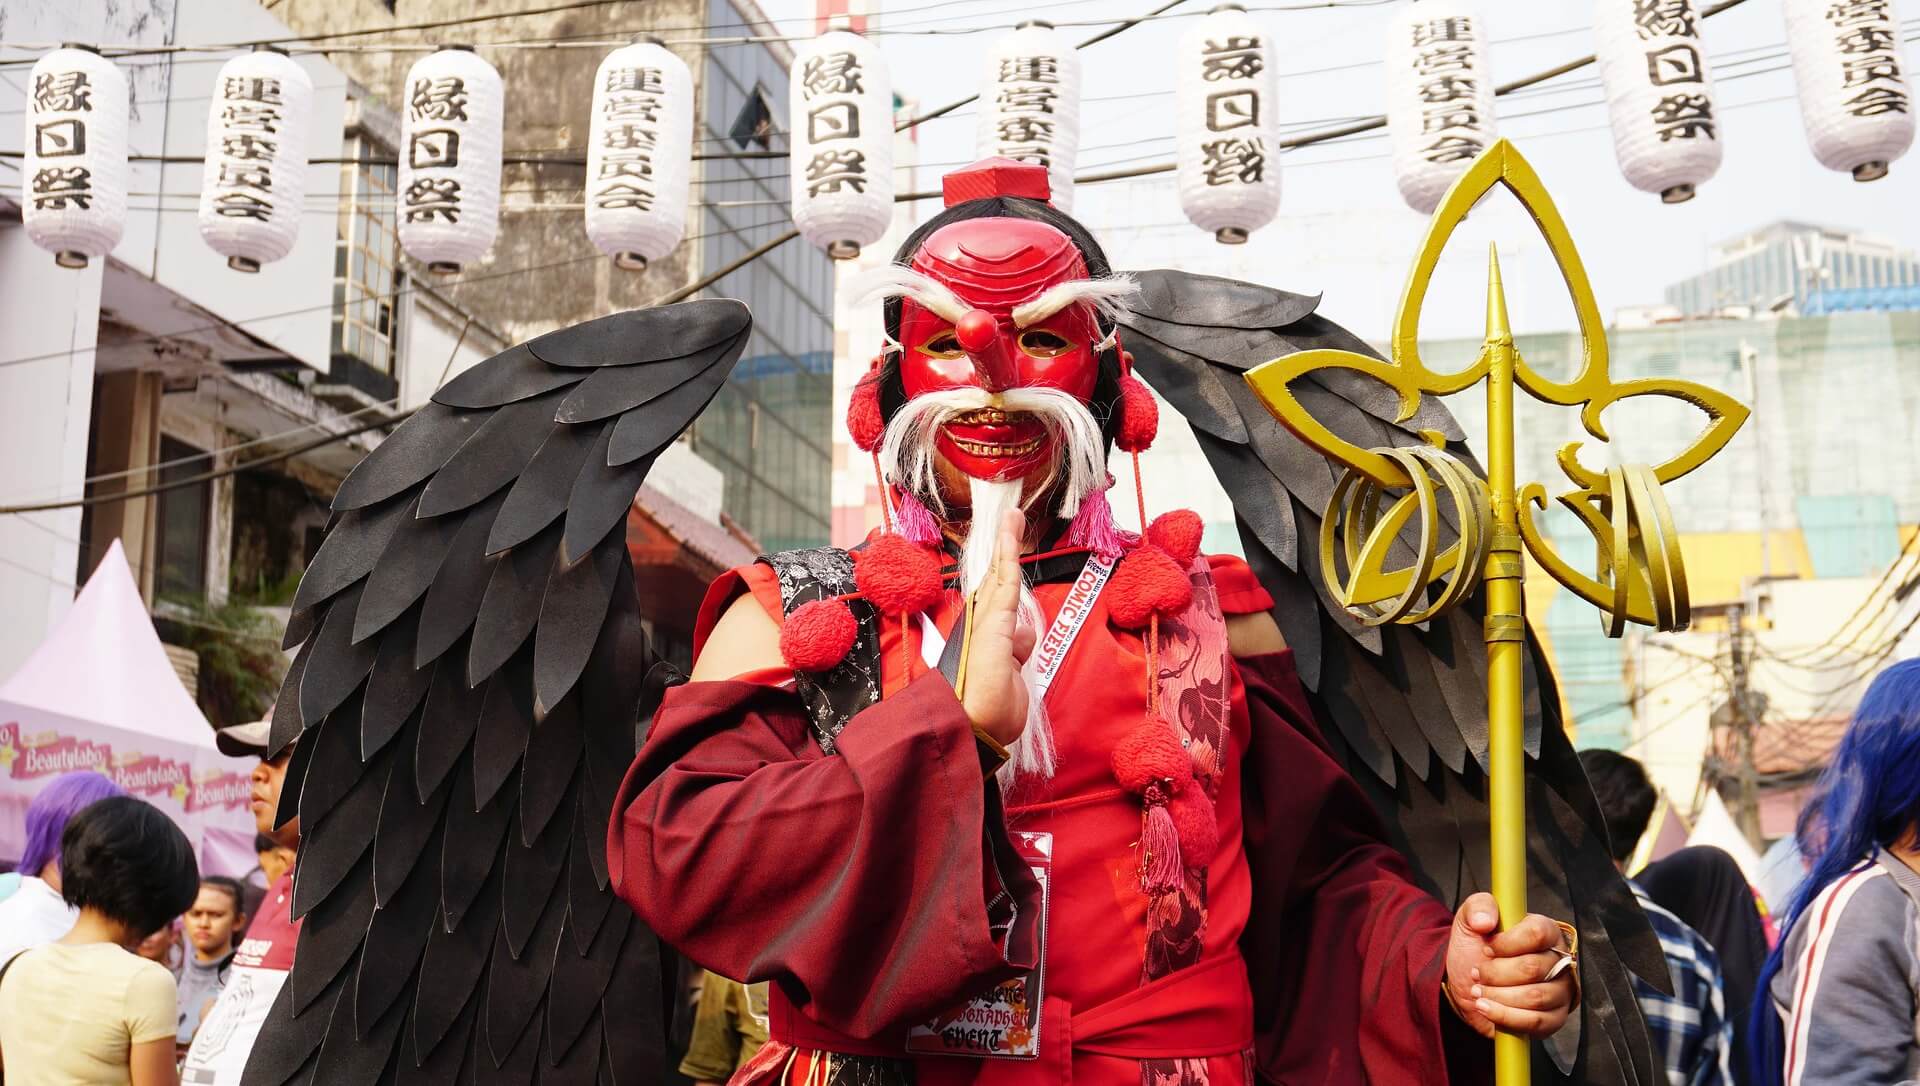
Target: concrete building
x=769, y=429
x=1812, y=269
x=160, y=365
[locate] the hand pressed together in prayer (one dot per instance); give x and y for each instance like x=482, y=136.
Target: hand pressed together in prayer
x=995, y=694
x=1498, y=979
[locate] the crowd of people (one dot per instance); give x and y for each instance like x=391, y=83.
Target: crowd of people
x=120, y=963
x=1827, y=992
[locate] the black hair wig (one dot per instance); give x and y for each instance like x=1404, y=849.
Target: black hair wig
x=126, y=859
x=1106, y=389
x=1626, y=797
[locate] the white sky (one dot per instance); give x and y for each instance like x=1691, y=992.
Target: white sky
x=1342, y=227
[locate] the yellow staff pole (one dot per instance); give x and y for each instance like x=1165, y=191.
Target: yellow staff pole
x=1505, y=633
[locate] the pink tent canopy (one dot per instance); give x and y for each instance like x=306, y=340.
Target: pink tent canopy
x=101, y=694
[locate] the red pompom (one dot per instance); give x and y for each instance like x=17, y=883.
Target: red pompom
x=864, y=423
x=1149, y=754
x=897, y=576
x=818, y=635
x=1139, y=416
x=1146, y=583
x=1178, y=533
x=1195, y=822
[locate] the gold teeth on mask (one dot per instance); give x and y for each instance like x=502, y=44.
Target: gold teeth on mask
x=978, y=448
x=982, y=416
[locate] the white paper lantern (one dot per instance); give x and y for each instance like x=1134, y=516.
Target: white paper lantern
x=73, y=178
x=1227, y=144
x=453, y=108
x=1439, y=97
x=1666, y=132
x=841, y=109
x=255, y=182
x=1852, y=78
x=1030, y=104
x=639, y=154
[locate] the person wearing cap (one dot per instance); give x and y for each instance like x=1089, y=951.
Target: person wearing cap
x=265, y=956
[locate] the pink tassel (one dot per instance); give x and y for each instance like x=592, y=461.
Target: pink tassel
x=915, y=520
x=1161, y=841
x=1093, y=528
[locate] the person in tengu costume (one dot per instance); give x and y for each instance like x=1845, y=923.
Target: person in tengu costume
x=1003, y=795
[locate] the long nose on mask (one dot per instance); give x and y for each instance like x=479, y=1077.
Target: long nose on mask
x=979, y=336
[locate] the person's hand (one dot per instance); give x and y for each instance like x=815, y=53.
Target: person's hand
x=1499, y=980
x=995, y=693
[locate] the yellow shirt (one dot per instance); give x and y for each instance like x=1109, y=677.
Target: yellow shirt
x=729, y=1026
x=70, y=1015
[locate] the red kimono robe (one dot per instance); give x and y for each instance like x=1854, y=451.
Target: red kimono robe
x=856, y=882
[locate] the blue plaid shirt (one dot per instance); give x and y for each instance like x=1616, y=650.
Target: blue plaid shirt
x=1690, y=1028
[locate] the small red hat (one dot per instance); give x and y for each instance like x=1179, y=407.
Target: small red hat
x=996, y=176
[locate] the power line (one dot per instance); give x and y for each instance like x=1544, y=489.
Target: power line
x=1326, y=136
x=135, y=49
x=748, y=258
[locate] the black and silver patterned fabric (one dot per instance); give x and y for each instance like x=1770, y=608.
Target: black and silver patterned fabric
x=832, y=697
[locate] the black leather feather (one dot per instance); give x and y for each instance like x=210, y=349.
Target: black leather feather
x=552, y=763
x=571, y=614
x=413, y=452
x=616, y=390
x=540, y=495
x=406, y=570
x=492, y=456
x=510, y=376
x=394, y=689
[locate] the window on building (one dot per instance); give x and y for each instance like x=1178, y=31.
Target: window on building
x=366, y=265
x=182, y=513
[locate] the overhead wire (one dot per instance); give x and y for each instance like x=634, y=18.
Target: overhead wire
x=757, y=253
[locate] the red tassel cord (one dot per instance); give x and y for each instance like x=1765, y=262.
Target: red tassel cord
x=1161, y=869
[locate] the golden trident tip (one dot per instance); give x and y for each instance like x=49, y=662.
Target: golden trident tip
x=1499, y=332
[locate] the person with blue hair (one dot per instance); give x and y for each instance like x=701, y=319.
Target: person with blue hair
x=32, y=912
x=1841, y=991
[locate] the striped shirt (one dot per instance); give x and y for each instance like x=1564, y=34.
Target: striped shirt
x=1849, y=981
x=1690, y=1028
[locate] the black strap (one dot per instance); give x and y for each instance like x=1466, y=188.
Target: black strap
x=9, y=964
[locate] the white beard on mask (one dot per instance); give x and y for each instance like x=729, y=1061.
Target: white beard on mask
x=1079, y=467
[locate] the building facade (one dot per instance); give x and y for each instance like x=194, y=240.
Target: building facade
x=1812, y=269
x=185, y=402
x=769, y=428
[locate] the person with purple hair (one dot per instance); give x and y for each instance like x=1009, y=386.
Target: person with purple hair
x=33, y=913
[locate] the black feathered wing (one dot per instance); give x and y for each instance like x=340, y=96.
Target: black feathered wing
x=1405, y=706
x=471, y=684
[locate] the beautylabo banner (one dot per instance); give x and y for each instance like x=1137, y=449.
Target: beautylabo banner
x=202, y=790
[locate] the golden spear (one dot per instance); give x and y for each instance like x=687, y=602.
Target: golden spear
x=1388, y=491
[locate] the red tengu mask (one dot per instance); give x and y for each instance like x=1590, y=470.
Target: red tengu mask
x=1010, y=336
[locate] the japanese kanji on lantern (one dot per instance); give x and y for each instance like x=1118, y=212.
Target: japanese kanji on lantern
x=256, y=164
x=1439, y=97
x=1854, y=95
x=841, y=140
x=73, y=196
x=1226, y=143
x=1030, y=105
x=639, y=154
x=1659, y=94
x=452, y=111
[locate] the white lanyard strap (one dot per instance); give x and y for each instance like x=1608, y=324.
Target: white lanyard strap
x=1051, y=650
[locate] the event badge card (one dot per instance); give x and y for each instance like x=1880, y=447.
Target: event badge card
x=1003, y=1023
